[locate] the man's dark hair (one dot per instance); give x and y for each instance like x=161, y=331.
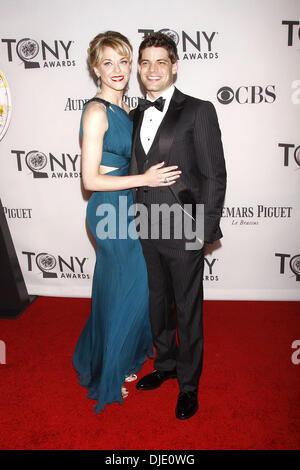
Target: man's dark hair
x=159, y=40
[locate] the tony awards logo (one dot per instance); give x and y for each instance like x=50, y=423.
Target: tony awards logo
x=49, y=165
x=56, y=267
x=172, y=34
x=35, y=54
x=293, y=31
x=27, y=49
x=46, y=263
x=36, y=161
x=5, y=106
x=294, y=264
x=192, y=45
x=290, y=150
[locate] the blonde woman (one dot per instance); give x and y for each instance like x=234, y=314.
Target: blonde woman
x=116, y=339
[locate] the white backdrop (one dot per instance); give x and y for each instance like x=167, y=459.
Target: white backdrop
x=250, y=47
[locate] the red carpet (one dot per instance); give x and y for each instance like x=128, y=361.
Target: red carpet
x=248, y=395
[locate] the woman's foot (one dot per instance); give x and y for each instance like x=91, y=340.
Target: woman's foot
x=124, y=392
x=131, y=378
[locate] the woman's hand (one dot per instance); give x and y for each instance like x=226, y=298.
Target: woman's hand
x=158, y=175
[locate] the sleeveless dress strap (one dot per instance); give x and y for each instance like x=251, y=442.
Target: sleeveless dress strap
x=106, y=103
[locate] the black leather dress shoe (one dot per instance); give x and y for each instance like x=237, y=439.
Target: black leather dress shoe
x=155, y=379
x=187, y=405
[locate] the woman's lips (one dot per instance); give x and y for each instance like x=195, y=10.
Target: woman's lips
x=117, y=78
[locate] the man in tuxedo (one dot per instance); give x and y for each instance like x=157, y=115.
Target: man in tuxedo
x=180, y=130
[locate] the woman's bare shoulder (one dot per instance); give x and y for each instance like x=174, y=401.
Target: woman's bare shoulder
x=95, y=114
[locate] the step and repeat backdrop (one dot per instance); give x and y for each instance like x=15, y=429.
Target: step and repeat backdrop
x=242, y=56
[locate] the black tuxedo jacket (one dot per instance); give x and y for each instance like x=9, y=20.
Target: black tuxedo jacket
x=190, y=137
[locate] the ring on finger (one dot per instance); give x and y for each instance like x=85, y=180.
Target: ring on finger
x=166, y=180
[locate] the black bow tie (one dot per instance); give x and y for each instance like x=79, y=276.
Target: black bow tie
x=145, y=104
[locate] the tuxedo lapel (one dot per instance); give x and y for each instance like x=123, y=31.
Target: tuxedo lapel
x=165, y=133
x=168, y=131
x=169, y=124
x=137, y=121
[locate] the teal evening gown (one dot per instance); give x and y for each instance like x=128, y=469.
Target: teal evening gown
x=116, y=338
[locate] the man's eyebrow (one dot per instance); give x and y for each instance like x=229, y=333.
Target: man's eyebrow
x=147, y=60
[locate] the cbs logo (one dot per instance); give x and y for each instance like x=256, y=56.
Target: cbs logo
x=252, y=94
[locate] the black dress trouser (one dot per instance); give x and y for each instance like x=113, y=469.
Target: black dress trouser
x=175, y=274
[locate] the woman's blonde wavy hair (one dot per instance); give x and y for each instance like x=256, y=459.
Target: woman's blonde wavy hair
x=112, y=39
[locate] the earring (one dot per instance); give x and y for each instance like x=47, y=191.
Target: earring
x=98, y=81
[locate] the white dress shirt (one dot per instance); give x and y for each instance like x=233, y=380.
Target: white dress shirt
x=152, y=119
